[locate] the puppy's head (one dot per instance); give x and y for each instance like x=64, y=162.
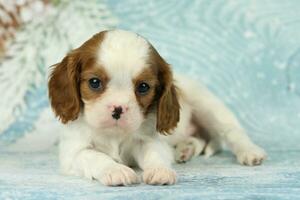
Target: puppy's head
x=115, y=80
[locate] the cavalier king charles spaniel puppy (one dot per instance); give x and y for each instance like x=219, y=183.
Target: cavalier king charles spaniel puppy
x=122, y=107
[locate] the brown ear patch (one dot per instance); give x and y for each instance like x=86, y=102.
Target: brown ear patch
x=63, y=90
x=64, y=80
x=168, y=108
x=168, y=111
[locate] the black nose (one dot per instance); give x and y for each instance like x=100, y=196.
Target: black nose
x=117, y=112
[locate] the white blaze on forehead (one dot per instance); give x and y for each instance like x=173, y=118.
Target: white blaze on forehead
x=123, y=54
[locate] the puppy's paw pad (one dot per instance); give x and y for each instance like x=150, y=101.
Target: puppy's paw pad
x=159, y=176
x=119, y=175
x=252, y=156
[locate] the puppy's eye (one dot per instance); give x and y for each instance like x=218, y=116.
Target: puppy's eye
x=95, y=84
x=143, y=88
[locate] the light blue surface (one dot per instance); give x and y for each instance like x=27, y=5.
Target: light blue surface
x=35, y=176
x=247, y=52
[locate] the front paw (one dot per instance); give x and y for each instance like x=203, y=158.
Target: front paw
x=119, y=175
x=251, y=156
x=159, y=176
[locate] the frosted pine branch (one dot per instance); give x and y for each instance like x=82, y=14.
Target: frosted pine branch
x=42, y=43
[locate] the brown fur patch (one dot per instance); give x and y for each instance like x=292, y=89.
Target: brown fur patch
x=92, y=71
x=147, y=76
x=64, y=90
x=168, y=108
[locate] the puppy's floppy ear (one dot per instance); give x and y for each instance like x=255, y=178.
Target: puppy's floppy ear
x=168, y=108
x=64, y=88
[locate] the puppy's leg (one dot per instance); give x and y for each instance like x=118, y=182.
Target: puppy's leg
x=93, y=164
x=188, y=148
x=155, y=159
x=213, y=146
x=222, y=124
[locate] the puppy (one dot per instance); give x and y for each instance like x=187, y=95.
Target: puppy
x=119, y=101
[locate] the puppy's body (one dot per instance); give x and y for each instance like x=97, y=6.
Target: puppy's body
x=117, y=95
x=206, y=124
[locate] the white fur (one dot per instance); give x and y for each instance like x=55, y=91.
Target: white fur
x=125, y=55
x=96, y=148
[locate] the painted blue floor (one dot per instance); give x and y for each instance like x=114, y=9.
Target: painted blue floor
x=35, y=176
x=247, y=52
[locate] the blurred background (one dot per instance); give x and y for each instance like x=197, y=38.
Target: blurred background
x=247, y=52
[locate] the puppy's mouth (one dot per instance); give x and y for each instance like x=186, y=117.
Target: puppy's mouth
x=120, y=123
x=117, y=124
